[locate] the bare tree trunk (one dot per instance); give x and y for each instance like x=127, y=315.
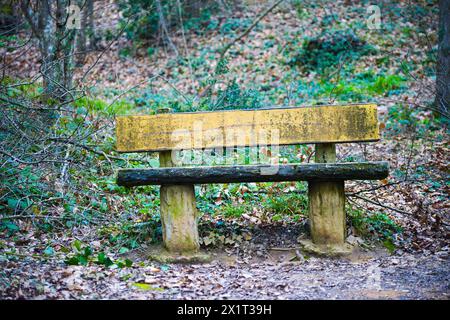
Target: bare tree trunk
x=443, y=60
x=48, y=21
x=81, y=41
x=86, y=38
x=92, y=36
x=163, y=26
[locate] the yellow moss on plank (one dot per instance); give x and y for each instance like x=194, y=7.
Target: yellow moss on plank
x=282, y=126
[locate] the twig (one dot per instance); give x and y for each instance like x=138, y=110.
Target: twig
x=381, y=205
x=284, y=249
x=100, y=153
x=96, y=221
x=382, y=186
x=109, y=46
x=175, y=89
x=129, y=89
x=30, y=162
x=37, y=256
x=65, y=166
x=247, y=31
x=19, y=216
x=411, y=149
x=421, y=106
x=338, y=71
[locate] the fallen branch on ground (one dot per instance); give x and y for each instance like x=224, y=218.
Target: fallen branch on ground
x=380, y=204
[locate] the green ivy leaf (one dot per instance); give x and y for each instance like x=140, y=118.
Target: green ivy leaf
x=87, y=251
x=77, y=245
x=73, y=261
x=82, y=260
x=123, y=250
x=12, y=227
x=12, y=203
x=101, y=257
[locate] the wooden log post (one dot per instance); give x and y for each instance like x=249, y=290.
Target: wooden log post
x=178, y=211
x=326, y=203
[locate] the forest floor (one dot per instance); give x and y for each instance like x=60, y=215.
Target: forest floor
x=414, y=264
x=374, y=275
x=270, y=266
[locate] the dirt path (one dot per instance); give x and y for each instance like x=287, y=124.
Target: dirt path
x=387, y=277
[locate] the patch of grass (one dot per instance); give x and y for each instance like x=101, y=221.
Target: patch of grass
x=287, y=204
x=28, y=90
x=232, y=210
x=233, y=97
x=99, y=106
x=353, y=87
x=386, y=84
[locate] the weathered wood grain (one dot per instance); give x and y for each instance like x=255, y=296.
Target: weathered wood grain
x=178, y=213
x=326, y=203
x=254, y=173
x=276, y=126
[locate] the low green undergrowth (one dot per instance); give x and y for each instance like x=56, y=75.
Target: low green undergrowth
x=376, y=226
x=81, y=254
x=405, y=118
x=288, y=204
x=329, y=49
x=100, y=106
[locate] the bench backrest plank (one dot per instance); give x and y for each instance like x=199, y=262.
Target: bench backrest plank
x=296, y=125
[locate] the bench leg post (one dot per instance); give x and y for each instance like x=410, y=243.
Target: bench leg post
x=326, y=212
x=178, y=213
x=327, y=203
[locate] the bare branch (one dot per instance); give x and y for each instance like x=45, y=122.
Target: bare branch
x=250, y=28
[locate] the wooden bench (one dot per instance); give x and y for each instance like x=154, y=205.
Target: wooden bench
x=168, y=133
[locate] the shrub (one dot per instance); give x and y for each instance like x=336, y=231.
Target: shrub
x=376, y=226
x=328, y=49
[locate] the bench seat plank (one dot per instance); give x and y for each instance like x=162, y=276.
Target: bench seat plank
x=275, y=126
x=254, y=173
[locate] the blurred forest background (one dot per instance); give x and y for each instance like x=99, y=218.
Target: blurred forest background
x=69, y=67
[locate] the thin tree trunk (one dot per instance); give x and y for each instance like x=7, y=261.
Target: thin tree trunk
x=443, y=60
x=48, y=21
x=86, y=38
x=163, y=26
x=81, y=41
x=92, y=37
